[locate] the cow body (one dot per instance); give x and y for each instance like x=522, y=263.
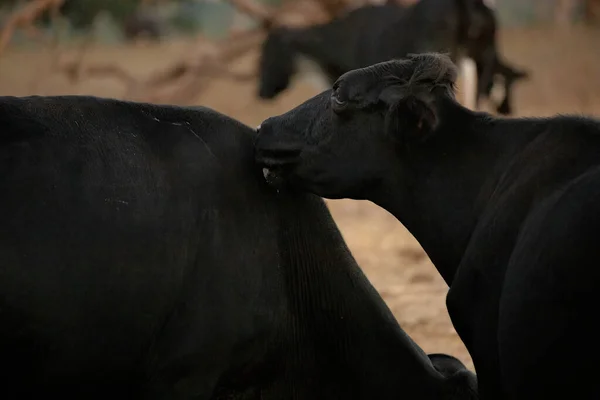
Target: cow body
x=466, y=29
x=143, y=257
x=505, y=208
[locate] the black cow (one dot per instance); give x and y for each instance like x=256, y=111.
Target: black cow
x=143, y=257
x=374, y=33
x=507, y=210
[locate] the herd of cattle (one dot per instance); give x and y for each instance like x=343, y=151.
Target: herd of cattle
x=160, y=252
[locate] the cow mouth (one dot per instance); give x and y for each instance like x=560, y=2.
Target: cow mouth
x=277, y=176
x=277, y=165
x=277, y=159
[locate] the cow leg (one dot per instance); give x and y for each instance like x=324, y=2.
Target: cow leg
x=469, y=72
x=501, y=94
x=498, y=94
x=548, y=331
x=473, y=310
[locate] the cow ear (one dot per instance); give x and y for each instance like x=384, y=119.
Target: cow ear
x=409, y=115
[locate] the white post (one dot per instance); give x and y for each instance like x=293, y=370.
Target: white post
x=469, y=73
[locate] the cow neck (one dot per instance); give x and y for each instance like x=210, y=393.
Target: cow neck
x=442, y=184
x=338, y=316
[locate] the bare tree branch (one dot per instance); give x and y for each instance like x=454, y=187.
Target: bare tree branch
x=182, y=81
x=253, y=9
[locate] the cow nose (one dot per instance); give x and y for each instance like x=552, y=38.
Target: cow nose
x=274, y=149
x=276, y=153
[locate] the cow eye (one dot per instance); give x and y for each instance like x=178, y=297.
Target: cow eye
x=337, y=105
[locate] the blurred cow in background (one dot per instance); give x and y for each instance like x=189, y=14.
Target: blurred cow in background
x=466, y=29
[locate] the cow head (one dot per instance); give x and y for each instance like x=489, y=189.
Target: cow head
x=276, y=64
x=343, y=142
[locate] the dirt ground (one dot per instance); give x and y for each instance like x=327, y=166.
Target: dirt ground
x=565, y=69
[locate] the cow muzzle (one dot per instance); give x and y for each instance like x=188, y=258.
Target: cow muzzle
x=276, y=157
